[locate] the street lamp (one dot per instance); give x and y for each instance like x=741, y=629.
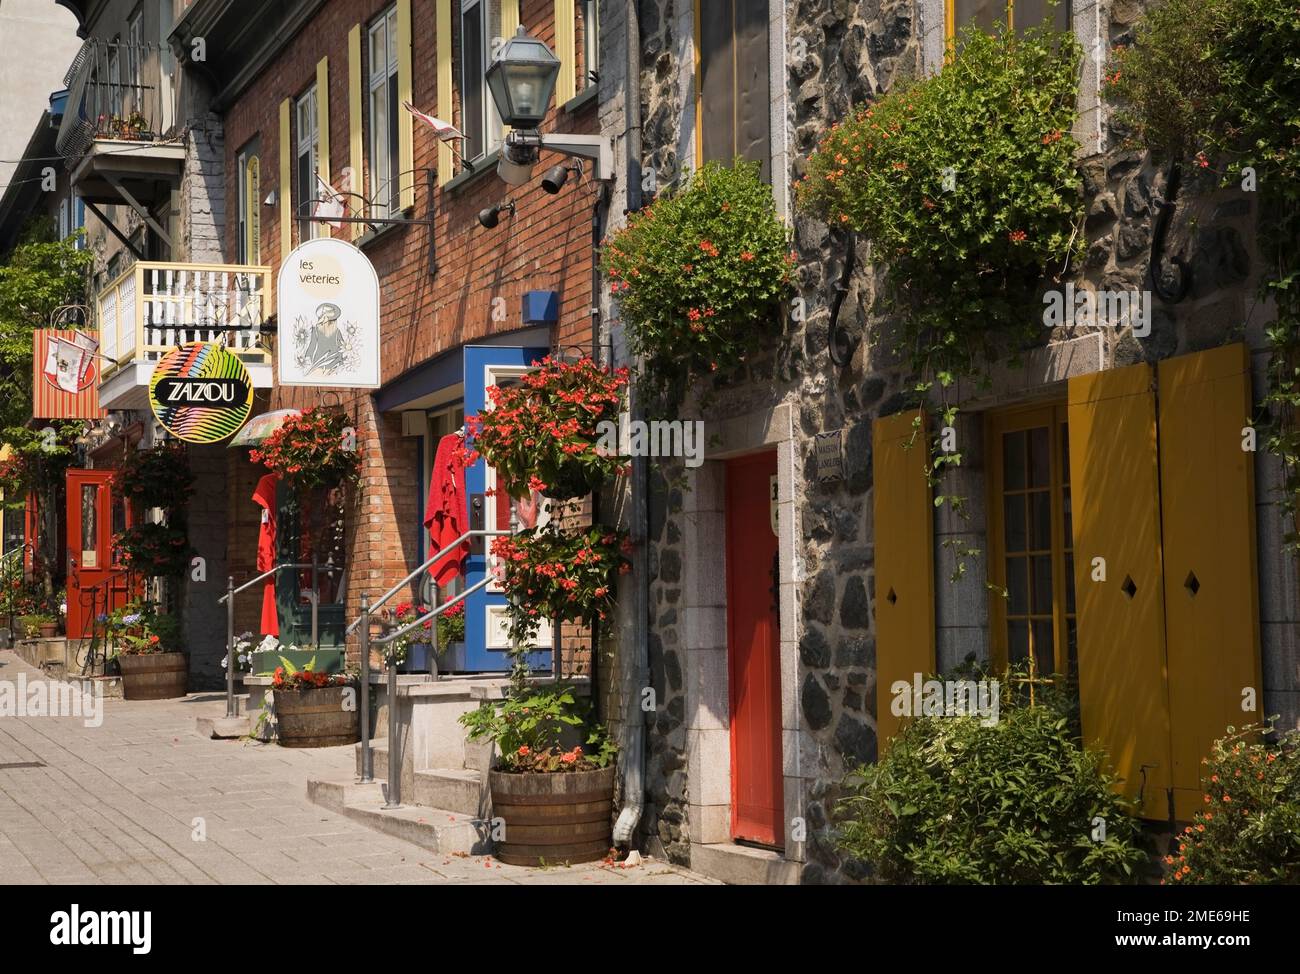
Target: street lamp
x=522, y=80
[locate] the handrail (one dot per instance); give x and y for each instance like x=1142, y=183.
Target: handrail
x=388, y=637
x=331, y=569
x=428, y=562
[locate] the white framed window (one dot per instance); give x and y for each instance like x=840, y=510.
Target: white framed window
x=166, y=68
x=590, y=43
x=65, y=217
x=384, y=156
x=306, y=158
x=248, y=242
x=473, y=88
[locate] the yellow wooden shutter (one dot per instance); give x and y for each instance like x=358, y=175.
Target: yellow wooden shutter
x=1207, y=485
x=566, y=29
x=404, y=120
x=904, y=524
x=323, y=118
x=1115, y=494
x=356, y=142
x=286, y=181
x=446, y=98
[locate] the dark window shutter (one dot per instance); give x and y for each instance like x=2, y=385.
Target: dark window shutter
x=753, y=94
x=717, y=81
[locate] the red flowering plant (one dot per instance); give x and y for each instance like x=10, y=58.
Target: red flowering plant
x=154, y=550
x=286, y=676
x=550, y=573
x=529, y=730
x=314, y=450
x=400, y=615
x=546, y=433
x=160, y=477
x=700, y=273
x=1248, y=829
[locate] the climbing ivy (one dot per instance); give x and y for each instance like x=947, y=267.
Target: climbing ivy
x=1241, y=78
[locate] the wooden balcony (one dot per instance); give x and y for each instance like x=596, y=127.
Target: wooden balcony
x=153, y=307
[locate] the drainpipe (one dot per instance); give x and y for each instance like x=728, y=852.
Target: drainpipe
x=635, y=665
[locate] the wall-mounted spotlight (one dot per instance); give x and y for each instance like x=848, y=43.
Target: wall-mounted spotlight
x=557, y=176
x=270, y=199
x=490, y=217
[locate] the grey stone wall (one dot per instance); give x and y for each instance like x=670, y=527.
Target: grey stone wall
x=202, y=194
x=854, y=52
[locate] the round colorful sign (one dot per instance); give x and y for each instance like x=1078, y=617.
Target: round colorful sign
x=201, y=392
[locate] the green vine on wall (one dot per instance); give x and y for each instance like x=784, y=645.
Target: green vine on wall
x=1218, y=81
x=965, y=183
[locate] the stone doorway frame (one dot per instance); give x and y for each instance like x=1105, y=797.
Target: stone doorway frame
x=704, y=643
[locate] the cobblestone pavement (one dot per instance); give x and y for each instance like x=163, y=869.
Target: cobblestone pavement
x=127, y=802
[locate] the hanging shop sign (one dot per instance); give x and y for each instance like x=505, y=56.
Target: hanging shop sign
x=328, y=315
x=66, y=380
x=201, y=392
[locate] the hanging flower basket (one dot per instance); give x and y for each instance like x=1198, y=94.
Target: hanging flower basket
x=314, y=450
x=700, y=274
x=554, y=432
x=154, y=550
x=551, y=573
x=160, y=477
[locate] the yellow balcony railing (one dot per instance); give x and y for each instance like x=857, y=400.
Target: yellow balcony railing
x=152, y=307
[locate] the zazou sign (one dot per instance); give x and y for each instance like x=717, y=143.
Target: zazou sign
x=328, y=313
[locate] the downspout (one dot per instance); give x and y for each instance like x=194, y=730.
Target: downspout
x=634, y=666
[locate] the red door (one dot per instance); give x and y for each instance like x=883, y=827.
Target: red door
x=753, y=657
x=95, y=583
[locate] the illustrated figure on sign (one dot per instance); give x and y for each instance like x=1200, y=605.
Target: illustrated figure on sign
x=325, y=347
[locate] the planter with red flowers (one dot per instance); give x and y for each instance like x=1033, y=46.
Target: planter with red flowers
x=313, y=708
x=154, y=550
x=554, y=432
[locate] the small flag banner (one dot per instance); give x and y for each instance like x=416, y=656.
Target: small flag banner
x=65, y=380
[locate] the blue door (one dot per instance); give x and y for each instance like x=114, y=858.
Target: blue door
x=485, y=643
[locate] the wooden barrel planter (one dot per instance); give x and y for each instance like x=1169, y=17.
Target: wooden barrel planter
x=316, y=717
x=554, y=817
x=153, y=676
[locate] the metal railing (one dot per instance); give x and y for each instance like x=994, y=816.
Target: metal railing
x=122, y=91
x=229, y=601
x=393, y=793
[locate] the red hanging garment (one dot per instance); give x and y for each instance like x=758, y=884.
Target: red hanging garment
x=264, y=497
x=446, y=515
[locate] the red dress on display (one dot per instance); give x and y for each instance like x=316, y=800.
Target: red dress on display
x=446, y=514
x=264, y=497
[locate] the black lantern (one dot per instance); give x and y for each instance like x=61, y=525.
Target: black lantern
x=522, y=80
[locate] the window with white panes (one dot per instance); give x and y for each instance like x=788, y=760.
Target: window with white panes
x=306, y=159
x=383, y=109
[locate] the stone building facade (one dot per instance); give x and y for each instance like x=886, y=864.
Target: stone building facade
x=826, y=58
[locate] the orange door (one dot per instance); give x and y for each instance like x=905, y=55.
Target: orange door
x=753, y=644
x=96, y=583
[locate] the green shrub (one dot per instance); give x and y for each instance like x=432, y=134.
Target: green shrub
x=700, y=273
x=966, y=186
x=1018, y=801
x=1249, y=829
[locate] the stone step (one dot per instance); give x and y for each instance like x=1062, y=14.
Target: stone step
x=740, y=865
x=455, y=789
x=435, y=829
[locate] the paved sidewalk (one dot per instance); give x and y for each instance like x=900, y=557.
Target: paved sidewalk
x=144, y=799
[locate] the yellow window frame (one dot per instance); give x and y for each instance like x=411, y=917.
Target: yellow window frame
x=950, y=17
x=997, y=423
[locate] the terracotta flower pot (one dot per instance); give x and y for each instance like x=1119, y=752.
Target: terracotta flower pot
x=49, y=630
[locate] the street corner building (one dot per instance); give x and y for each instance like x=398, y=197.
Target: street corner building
x=344, y=227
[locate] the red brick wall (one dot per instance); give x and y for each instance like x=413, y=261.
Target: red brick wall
x=546, y=246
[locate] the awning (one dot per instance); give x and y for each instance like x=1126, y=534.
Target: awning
x=259, y=428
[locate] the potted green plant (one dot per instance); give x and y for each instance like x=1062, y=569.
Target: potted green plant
x=39, y=625
x=146, y=642
x=553, y=779
x=314, y=708
x=451, y=637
